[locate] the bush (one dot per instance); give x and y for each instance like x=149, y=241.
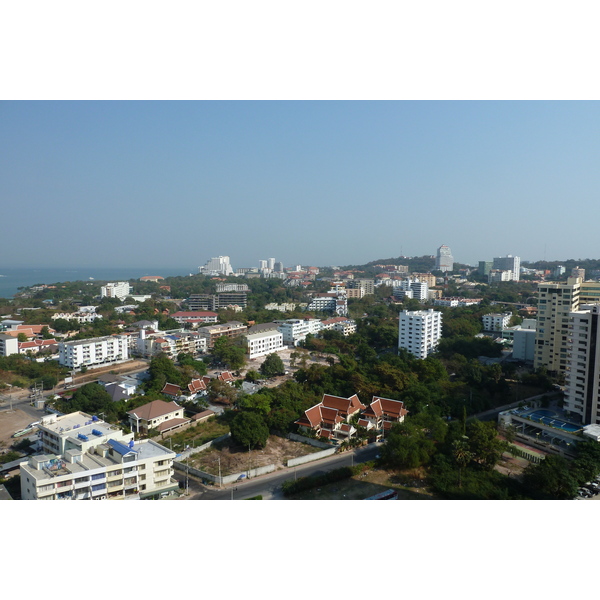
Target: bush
x=292, y=487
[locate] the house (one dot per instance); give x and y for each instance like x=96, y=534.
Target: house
x=158, y=414
x=197, y=387
x=330, y=419
x=171, y=390
x=382, y=413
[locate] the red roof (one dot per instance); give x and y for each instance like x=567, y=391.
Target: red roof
x=171, y=389
x=196, y=385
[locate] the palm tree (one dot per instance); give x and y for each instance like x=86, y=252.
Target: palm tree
x=462, y=456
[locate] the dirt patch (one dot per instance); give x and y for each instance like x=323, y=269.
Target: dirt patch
x=11, y=422
x=235, y=459
x=92, y=374
x=371, y=482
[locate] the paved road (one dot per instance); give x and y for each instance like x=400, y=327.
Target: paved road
x=269, y=486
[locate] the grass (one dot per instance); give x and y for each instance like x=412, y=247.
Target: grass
x=196, y=435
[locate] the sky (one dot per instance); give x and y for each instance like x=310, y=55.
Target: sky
x=174, y=183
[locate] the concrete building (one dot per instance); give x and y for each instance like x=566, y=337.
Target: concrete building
x=194, y=318
x=212, y=332
x=119, y=290
x=496, y=321
x=342, y=324
x=427, y=278
x=420, y=331
x=555, y=303
x=294, y=331
x=508, y=263
x=444, y=260
x=497, y=276
x=99, y=462
x=263, y=343
x=232, y=287
x=582, y=371
x=8, y=345
x=218, y=265
x=485, y=266
x=578, y=272
x=158, y=414
x=409, y=288
x=213, y=302
x=94, y=352
x=524, y=343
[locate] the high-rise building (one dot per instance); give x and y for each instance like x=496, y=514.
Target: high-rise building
x=219, y=265
x=509, y=263
x=444, y=260
x=271, y=264
x=119, y=290
x=485, y=266
x=578, y=272
x=420, y=331
x=262, y=264
x=555, y=302
x=582, y=388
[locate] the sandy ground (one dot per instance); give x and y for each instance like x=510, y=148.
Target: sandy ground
x=235, y=459
x=11, y=422
x=285, y=354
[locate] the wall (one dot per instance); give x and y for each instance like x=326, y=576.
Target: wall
x=306, y=440
x=310, y=457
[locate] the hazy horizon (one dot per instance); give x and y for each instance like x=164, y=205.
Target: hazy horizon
x=316, y=183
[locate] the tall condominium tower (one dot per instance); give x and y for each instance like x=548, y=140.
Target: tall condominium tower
x=420, y=331
x=219, y=265
x=582, y=388
x=509, y=263
x=444, y=260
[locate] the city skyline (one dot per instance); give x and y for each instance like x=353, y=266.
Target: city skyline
x=101, y=183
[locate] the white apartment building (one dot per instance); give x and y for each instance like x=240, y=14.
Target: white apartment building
x=454, y=302
x=408, y=288
x=496, y=321
x=295, y=331
x=420, y=331
x=496, y=276
x=8, y=345
x=106, y=470
x=79, y=317
x=508, y=263
x=263, y=343
x=232, y=287
x=342, y=324
x=94, y=352
x=524, y=344
x=444, y=260
x=582, y=370
x=119, y=290
x=218, y=265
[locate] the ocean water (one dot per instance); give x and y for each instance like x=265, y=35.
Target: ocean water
x=12, y=279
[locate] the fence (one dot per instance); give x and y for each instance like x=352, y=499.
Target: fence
x=293, y=462
x=306, y=440
x=227, y=478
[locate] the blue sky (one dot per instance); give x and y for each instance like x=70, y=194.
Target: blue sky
x=170, y=184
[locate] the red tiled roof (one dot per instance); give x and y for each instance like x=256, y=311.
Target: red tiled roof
x=154, y=409
x=226, y=376
x=171, y=389
x=196, y=385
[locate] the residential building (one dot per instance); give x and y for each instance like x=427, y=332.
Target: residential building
x=330, y=419
x=8, y=345
x=212, y=332
x=284, y=307
x=496, y=321
x=219, y=265
x=485, y=266
x=194, y=318
x=381, y=414
x=497, y=276
x=456, y=301
x=119, y=290
x=294, y=331
x=444, y=260
x=80, y=316
x=524, y=342
x=107, y=466
x=151, y=278
x=578, y=272
x=232, y=287
x=263, y=343
x=555, y=303
x=158, y=414
x=94, y=352
x=427, y=278
x=215, y=302
x=560, y=270
x=582, y=389
x=420, y=331
x=367, y=285
x=36, y=346
x=408, y=288
x=342, y=324
x=508, y=263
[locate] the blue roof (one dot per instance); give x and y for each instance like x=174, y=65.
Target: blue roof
x=120, y=448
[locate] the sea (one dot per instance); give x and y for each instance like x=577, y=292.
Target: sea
x=11, y=279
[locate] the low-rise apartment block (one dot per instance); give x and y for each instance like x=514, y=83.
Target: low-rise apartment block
x=263, y=343
x=94, y=352
x=107, y=470
x=496, y=321
x=212, y=332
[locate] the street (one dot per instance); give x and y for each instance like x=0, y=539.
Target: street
x=269, y=486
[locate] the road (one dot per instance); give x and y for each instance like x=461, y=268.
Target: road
x=269, y=486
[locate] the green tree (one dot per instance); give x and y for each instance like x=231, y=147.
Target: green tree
x=21, y=337
x=272, y=366
x=229, y=352
x=249, y=430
